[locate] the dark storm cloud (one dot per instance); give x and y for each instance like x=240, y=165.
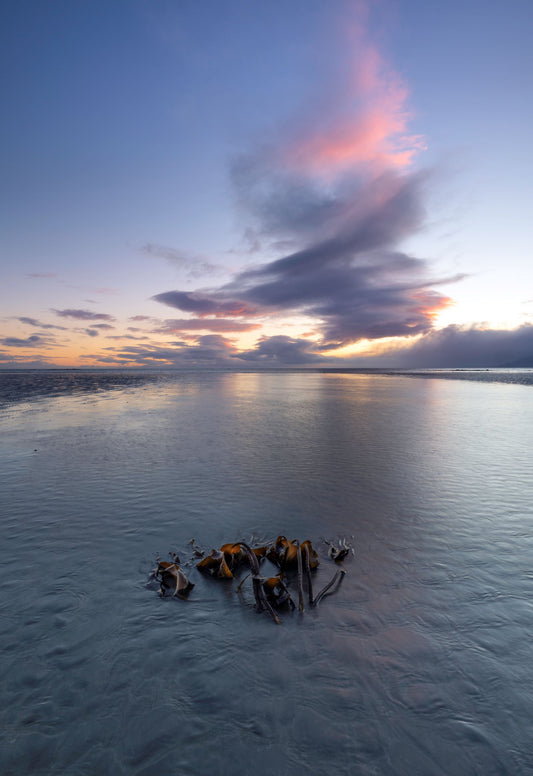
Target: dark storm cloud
x=83, y=315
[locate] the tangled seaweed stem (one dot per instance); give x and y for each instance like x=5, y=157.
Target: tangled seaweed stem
x=291, y=602
x=243, y=580
x=326, y=590
x=308, y=575
x=300, y=581
x=260, y=597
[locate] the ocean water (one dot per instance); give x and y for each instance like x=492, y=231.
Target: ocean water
x=420, y=663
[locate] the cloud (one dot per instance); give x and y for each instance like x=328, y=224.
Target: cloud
x=102, y=326
x=362, y=121
x=281, y=350
x=83, y=315
x=354, y=128
x=193, y=265
x=210, y=350
x=200, y=304
x=459, y=346
x=38, y=324
x=37, y=275
x=175, y=325
x=332, y=202
x=91, y=332
x=125, y=336
x=351, y=280
x=17, y=361
x=29, y=321
x=328, y=203
x=30, y=342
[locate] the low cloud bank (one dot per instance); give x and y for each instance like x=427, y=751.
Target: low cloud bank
x=475, y=347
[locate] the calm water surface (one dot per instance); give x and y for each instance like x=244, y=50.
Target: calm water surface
x=419, y=664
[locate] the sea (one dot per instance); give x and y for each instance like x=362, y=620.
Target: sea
x=417, y=663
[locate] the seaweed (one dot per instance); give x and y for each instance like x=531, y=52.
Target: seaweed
x=295, y=560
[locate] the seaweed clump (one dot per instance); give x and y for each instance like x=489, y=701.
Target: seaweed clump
x=295, y=560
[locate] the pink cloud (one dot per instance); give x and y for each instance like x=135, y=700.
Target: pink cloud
x=363, y=122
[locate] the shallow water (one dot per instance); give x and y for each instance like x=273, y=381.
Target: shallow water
x=419, y=664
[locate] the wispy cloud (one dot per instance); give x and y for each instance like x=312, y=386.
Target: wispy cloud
x=176, y=325
x=203, y=351
x=193, y=265
x=29, y=342
x=83, y=315
x=362, y=121
x=126, y=337
x=34, y=322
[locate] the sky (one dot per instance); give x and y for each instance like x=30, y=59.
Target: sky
x=248, y=184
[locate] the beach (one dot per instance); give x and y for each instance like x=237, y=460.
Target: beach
x=419, y=663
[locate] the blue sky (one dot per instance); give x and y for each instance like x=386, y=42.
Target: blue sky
x=266, y=184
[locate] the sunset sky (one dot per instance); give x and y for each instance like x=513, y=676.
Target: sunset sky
x=231, y=183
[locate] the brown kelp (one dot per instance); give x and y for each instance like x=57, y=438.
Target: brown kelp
x=295, y=560
x=216, y=565
x=172, y=578
x=277, y=593
x=284, y=553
